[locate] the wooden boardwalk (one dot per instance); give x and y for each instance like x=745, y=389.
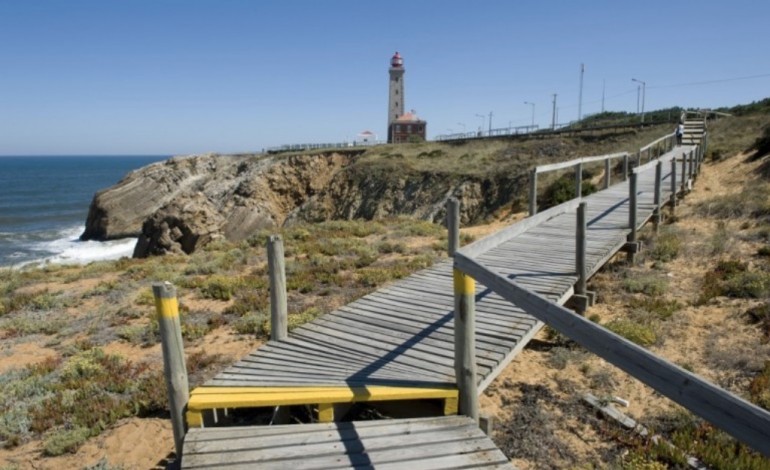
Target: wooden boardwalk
x=397, y=343
x=419, y=444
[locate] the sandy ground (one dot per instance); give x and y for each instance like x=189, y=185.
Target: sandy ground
x=145, y=443
x=713, y=340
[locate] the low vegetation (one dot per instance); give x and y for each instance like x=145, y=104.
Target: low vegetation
x=79, y=313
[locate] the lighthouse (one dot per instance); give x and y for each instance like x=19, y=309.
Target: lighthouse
x=396, y=89
x=401, y=125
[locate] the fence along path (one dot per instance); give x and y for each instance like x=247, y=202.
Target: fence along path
x=398, y=342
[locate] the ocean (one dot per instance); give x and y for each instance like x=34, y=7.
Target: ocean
x=44, y=203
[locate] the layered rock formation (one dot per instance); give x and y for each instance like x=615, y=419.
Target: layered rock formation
x=183, y=203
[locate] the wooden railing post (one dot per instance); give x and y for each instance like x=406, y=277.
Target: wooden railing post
x=174, y=369
x=278, y=307
x=632, y=221
x=607, y=173
x=657, y=214
x=580, y=250
x=533, y=192
x=453, y=225
x=579, y=180
x=625, y=167
x=691, y=165
x=684, y=173
x=673, y=184
x=465, y=343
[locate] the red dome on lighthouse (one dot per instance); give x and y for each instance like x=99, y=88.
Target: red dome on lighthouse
x=396, y=60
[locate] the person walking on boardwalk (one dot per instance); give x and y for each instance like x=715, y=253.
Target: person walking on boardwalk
x=679, y=133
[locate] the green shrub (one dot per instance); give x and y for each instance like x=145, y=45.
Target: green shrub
x=248, y=300
x=253, y=324
x=65, y=441
x=732, y=278
x=719, y=240
x=666, y=246
x=220, y=287
x=660, y=307
x=762, y=144
x=391, y=247
x=145, y=297
x=645, y=284
x=300, y=318
x=643, y=335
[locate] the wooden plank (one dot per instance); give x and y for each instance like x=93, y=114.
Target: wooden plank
x=450, y=442
x=486, y=243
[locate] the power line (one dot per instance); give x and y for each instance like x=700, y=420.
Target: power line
x=707, y=82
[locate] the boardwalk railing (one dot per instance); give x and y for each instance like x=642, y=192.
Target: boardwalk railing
x=578, y=165
x=738, y=417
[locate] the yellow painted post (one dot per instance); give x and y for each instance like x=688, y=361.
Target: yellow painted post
x=465, y=343
x=174, y=369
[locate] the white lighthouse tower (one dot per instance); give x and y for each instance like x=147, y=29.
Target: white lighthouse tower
x=396, y=90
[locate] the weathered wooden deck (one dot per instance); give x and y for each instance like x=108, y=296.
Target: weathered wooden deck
x=419, y=444
x=397, y=343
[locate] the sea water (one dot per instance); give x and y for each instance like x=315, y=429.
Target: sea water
x=44, y=203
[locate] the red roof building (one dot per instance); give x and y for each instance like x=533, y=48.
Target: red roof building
x=407, y=128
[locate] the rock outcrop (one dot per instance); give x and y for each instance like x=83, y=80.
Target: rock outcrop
x=184, y=203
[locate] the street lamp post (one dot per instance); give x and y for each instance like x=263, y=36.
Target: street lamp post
x=481, y=127
x=644, y=93
x=533, y=112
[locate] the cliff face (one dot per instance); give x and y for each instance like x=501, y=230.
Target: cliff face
x=186, y=202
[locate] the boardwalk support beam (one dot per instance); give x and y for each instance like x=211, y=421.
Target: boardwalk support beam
x=278, y=306
x=632, y=247
x=673, y=185
x=465, y=344
x=582, y=299
x=533, y=192
x=453, y=225
x=174, y=368
x=657, y=213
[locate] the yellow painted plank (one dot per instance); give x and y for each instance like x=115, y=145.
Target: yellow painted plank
x=325, y=412
x=451, y=406
x=194, y=419
x=204, y=398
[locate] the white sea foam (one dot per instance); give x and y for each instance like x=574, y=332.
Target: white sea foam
x=69, y=249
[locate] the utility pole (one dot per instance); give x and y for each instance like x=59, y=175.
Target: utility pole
x=604, y=86
x=553, y=115
x=490, y=123
x=644, y=90
x=580, y=96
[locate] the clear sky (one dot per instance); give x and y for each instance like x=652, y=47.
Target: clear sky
x=193, y=76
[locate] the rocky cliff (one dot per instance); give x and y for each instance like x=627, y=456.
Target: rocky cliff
x=185, y=202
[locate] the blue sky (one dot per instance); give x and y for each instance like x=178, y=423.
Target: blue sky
x=177, y=77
